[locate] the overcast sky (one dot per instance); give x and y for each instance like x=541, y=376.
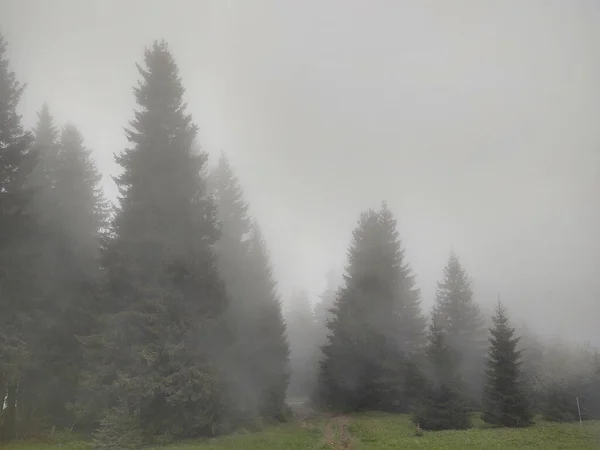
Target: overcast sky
x=478, y=121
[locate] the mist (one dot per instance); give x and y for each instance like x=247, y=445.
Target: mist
x=476, y=123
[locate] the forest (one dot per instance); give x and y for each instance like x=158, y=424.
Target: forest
x=159, y=318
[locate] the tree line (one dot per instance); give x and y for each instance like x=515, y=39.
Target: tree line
x=159, y=318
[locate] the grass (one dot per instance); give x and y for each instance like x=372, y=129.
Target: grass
x=382, y=432
x=377, y=432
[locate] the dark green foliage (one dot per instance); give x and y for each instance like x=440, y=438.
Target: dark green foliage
x=377, y=327
x=560, y=403
x=504, y=401
x=441, y=405
x=71, y=211
x=257, y=366
x=160, y=327
x=459, y=317
x=17, y=225
x=119, y=430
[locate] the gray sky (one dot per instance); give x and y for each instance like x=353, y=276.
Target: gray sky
x=478, y=121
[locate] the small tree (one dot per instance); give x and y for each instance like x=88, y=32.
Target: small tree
x=504, y=402
x=441, y=406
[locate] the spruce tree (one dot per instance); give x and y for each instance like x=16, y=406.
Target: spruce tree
x=46, y=146
x=272, y=350
x=161, y=330
x=323, y=307
x=532, y=369
x=504, y=401
x=72, y=212
x=258, y=361
x=441, y=406
x=459, y=317
x=302, y=329
x=17, y=225
x=377, y=327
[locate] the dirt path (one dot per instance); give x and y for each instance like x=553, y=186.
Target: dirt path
x=336, y=433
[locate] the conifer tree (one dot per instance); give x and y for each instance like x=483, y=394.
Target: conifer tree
x=504, y=401
x=532, y=369
x=72, y=212
x=158, y=344
x=17, y=225
x=271, y=363
x=46, y=146
x=258, y=362
x=441, y=406
x=377, y=327
x=302, y=329
x=459, y=317
x=322, y=310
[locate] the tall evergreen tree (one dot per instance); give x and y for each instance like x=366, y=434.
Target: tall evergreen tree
x=459, y=317
x=17, y=225
x=72, y=212
x=258, y=362
x=504, y=401
x=377, y=325
x=272, y=348
x=156, y=355
x=441, y=406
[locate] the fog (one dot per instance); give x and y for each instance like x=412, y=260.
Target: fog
x=476, y=121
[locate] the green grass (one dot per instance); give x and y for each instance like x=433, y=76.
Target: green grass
x=382, y=432
x=377, y=432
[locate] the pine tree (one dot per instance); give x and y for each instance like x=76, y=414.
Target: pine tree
x=72, y=212
x=258, y=363
x=161, y=331
x=323, y=307
x=566, y=374
x=301, y=328
x=272, y=349
x=460, y=319
x=504, y=401
x=377, y=327
x=16, y=253
x=441, y=406
x=532, y=368
x=47, y=148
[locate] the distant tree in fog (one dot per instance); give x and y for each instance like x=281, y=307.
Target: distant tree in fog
x=302, y=329
x=258, y=364
x=441, y=404
x=71, y=211
x=459, y=317
x=323, y=310
x=377, y=328
x=504, y=401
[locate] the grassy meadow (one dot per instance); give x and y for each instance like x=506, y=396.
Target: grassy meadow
x=376, y=432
